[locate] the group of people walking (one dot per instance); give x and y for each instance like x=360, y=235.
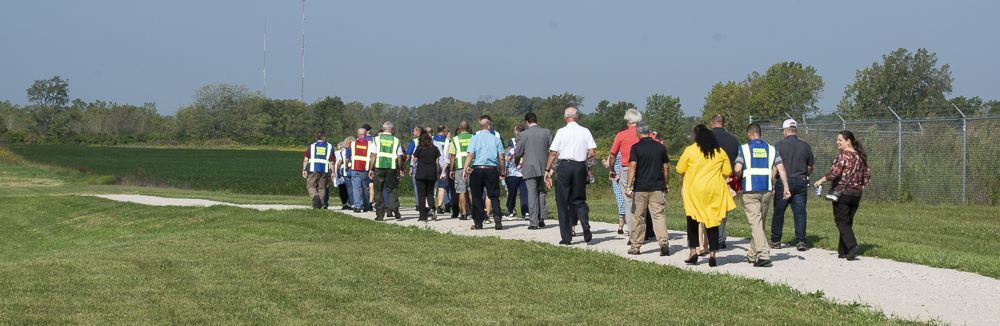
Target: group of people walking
x=469, y=168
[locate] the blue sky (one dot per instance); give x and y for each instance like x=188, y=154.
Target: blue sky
x=415, y=52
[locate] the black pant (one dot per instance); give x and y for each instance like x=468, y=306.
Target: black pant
x=514, y=186
x=571, y=197
x=343, y=194
x=693, y=241
x=487, y=180
x=454, y=196
x=425, y=196
x=843, y=215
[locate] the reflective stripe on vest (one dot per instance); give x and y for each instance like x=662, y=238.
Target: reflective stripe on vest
x=386, y=156
x=461, y=149
x=513, y=142
x=319, y=157
x=359, y=155
x=755, y=176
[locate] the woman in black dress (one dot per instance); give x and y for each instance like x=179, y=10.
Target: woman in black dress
x=426, y=155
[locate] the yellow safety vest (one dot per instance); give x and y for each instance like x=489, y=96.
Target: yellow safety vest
x=461, y=142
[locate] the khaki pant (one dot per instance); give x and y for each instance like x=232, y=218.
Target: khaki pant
x=652, y=201
x=756, y=204
x=316, y=184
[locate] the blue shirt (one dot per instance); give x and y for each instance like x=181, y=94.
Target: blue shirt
x=486, y=147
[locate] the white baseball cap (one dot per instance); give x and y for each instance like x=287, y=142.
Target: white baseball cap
x=790, y=123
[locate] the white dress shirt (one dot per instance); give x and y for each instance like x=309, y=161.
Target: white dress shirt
x=573, y=142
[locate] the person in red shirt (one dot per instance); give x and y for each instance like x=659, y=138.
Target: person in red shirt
x=623, y=144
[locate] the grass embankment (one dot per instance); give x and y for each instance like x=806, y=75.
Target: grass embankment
x=71, y=259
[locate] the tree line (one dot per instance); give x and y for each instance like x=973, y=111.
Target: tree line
x=909, y=83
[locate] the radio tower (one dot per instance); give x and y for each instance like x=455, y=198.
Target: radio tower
x=265, y=56
x=303, y=50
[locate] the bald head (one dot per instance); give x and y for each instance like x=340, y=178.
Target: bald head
x=570, y=114
x=362, y=132
x=485, y=124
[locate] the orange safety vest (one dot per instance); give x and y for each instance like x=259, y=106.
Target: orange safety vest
x=359, y=155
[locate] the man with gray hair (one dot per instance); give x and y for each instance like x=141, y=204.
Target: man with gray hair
x=386, y=169
x=647, y=182
x=573, y=145
x=623, y=145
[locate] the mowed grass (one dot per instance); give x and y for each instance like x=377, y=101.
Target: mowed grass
x=86, y=260
x=955, y=237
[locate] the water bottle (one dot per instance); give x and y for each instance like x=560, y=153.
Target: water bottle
x=819, y=190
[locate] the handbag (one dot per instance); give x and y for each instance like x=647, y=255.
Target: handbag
x=833, y=195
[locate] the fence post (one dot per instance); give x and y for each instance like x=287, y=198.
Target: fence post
x=842, y=122
x=965, y=152
x=899, y=155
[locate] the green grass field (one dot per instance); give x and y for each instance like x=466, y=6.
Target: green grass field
x=960, y=238
x=85, y=260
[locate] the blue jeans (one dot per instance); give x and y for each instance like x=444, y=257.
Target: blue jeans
x=799, y=189
x=515, y=186
x=361, y=180
x=350, y=190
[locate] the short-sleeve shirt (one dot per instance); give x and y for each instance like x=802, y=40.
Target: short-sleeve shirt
x=572, y=142
x=486, y=147
x=729, y=144
x=649, y=156
x=623, y=144
x=797, y=156
x=426, y=159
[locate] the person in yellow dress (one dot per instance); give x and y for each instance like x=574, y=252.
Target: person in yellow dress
x=705, y=167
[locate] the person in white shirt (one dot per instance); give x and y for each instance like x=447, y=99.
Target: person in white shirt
x=572, y=146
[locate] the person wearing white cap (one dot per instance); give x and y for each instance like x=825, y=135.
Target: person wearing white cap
x=797, y=157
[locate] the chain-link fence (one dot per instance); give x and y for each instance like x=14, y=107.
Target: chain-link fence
x=948, y=157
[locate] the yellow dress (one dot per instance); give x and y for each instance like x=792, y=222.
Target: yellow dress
x=706, y=194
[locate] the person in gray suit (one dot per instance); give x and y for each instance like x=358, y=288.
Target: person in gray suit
x=532, y=152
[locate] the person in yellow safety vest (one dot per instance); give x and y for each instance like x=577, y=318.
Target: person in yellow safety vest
x=359, y=154
x=458, y=151
x=761, y=162
x=387, y=168
x=316, y=169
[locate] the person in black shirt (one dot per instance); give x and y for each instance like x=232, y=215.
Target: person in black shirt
x=731, y=146
x=426, y=155
x=797, y=156
x=648, y=176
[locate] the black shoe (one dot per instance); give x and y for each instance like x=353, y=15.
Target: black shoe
x=317, y=202
x=440, y=210
x=541, y=224
x=665, y=251
x=564, y=242
x=587, y=236
x=499, y=226
x=692, y=261
x=620, y=231
x=841, y=256
x=396, y=213
x=629, y=243
x=357, y=210
x=711, y=262
x=532, y=228
x=762, y=263
x=379, y=218
x=853, y=253
x=751, y=260
x=345, y=207
x=774, y=245
x=801, y=246
x=462, y=217
x=722, y=246
x=454, y=215
x=447, y=208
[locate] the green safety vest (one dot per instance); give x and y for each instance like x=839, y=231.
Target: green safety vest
x=461, y=142
x=386, y=156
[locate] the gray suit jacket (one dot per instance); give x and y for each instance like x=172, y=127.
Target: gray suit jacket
x=533, y=150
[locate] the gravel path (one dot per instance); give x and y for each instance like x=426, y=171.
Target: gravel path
x=901, y=290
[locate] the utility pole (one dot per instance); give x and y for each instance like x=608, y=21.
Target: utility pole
x=265, y=56
x=303, y=50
